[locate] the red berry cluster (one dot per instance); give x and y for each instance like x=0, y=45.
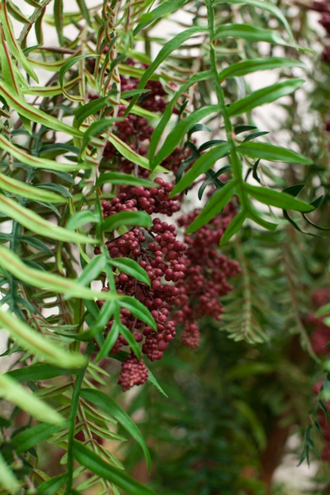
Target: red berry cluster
x=323, y=7
x=320, y=338
x=186, y=278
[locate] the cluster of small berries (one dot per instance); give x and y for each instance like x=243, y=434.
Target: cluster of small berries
x=186, y=278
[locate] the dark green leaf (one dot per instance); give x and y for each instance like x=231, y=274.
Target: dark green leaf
x=270, y=152
x=136, y=218
x=278, y=199
x=131, y=268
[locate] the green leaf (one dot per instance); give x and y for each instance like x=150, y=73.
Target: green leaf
x=109, y=342
x=109, y=406
x=179, y=131
x=84, y=11
x=124, y=150
x=138, y=310
x=52, y=486
x=33, y=436
x=34, y=114
x=100, y=323
x=38, y=344
x=126, y=179
x=263, y=96
x=249, y=33
x=58, y=19
x=28, y=191
x=44, y=280
x=278, y=199
x=13, y=45
x=273, y=153
x=97, y=465
x=201, y=165
x=17, y=394
x=69, y=63
x=260, y=4
x=167, y=49
x=90, y=108
x=40, y=371
x=250, y=66
x=136, y=218
x=129, y=337
x=215, y=205
x=233, y=227
x=162, y=10
x=36, y=162
x=7, y=478
x=92, y=270
x=81, y=218
x=36, y=223
x=159, y=129
x=131, y=268
x=97, y=128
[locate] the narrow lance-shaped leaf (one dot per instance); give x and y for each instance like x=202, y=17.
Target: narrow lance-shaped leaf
x=159, y=129
x=131, y=268
x=249, y=33
x=81, y=218
x=100, y=323
x=137, y=218
x=108, y=405
x=14, y=46
x=167, y=49
x=37, y=344
x=250, y=66
x=127, y=179
x=36, y=223
x=263, y=96
x=7, y=478
x=215, y=205
x=179, y=131
x=97, y=465
x=28, y=191
x=36, y=162
x=233, y=227
x=34, y=114
x=162, y=10
x=278, y=199
x=201, y=165
x=25, y=400
x=260, y=4
x=273, y=153
x=44, y=280
x=33, y=436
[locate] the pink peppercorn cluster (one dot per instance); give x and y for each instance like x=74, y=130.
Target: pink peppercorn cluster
x=320, y=338
x=323, y=7
x=186, y=277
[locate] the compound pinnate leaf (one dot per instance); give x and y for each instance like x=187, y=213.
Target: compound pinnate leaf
x=97, y=465
x=108, y=405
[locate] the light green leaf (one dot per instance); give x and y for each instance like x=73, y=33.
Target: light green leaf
x=136, y=218
x=128, y=153
x=138, y=310
x=131, y=268
x=25, y=400
x=263, y=96
x=126, y=179
x=81, y=218
x=215, y=205
x=162, y=10
x=278, y=199
x=36, y=223
x=272, y=153
x=36, y=162
x=201, y=165
x=7, y=478
x=97, y=465
x=100, y=323
x=14, y=46
x=109, y=406
x=249, y=33
x=28, y=191
x=92, y=270
x=45, y=280
x=37, y=344
x=260, y=4
x=34, y=114
x=97, y=128
x=249, y=66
